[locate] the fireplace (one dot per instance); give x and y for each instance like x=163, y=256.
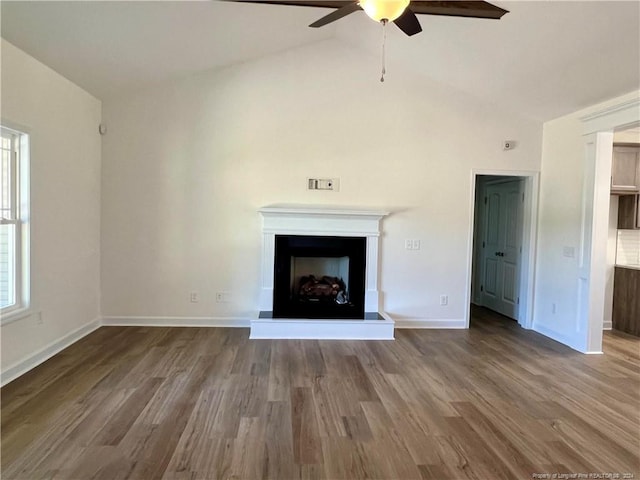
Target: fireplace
x=319, y=277
x=320, y=271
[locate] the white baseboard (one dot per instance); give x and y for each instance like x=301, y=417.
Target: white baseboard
x=32, y=361
x=176, y=322
x=547, y=332
x=607, y=325
x=431, y=323
x=559, y=337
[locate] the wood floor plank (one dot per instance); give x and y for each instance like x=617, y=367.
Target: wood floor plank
x=120, y=422
x=307, y=448
x=279, y=449
x=219, y=459
x=494, y=401
x=390, y=459
x=345, y=460
x=500, y=446
x=432, y=472
x=279, y=388
x=193, y=449
x=250, y=449
x=478, y=453
x=329, y=407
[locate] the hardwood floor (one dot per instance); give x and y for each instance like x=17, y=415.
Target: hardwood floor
x=491, y=402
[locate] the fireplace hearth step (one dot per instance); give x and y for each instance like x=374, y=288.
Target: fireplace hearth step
x=375, y=326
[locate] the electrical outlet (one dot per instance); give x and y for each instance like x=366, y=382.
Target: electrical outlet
x=194, y=297
x=411, y=244
x=222, y=297
x=444, y=300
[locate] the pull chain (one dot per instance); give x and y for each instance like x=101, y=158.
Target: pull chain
x=384, y=41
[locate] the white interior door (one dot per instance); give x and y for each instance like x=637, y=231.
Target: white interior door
x=502, y=247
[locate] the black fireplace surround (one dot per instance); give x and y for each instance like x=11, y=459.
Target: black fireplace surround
x=289, y=300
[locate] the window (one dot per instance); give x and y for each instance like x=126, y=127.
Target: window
x=14, y=289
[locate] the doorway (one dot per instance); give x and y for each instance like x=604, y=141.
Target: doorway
x=499, y=239
x=598, y=128
x=503, y=244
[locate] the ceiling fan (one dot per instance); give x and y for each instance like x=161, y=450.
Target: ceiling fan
x=401, y=12
x=396, y=11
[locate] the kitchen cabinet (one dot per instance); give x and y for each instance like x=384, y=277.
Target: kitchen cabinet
x=629, y=212
x=626, y=300
x=625, y=169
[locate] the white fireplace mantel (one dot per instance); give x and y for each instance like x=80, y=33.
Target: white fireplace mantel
x=320, y=221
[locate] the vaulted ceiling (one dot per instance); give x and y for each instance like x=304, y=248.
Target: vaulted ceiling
x=544, y=59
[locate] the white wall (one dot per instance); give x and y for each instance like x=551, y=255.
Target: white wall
x=187, y=165
x=62, y=121
x=560, y=224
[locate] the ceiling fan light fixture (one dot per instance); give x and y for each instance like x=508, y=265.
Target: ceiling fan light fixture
x=380, y=10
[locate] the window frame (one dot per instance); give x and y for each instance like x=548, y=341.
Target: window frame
x=19, y=217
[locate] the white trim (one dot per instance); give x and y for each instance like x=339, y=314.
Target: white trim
x=529, y=235
x=607, y=325
x=564, y=339
x=321, y=210
x=130, y=321
x=345, y=232
x=459, y=323
x=22, y=222
x=20, y=368
x=615, y=116
x=598, y=130
x=558, y=337
x=17, y=127
x=18, y=314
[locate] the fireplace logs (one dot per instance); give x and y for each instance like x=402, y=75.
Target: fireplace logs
x=325, y=288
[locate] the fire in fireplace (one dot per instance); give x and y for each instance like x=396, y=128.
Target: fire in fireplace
x=319, y=277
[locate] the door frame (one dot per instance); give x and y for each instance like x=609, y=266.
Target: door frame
x=598, y=129
x=531, y=186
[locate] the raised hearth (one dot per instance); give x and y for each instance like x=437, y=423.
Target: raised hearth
x=374, y=326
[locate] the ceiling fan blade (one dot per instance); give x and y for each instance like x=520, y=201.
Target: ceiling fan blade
x=300, y=3
x=458, y=8
x=408, y=23
x=453, y=8
x=337, y=14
